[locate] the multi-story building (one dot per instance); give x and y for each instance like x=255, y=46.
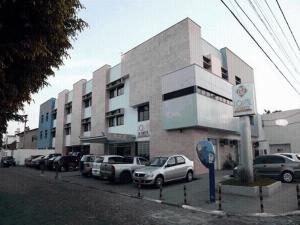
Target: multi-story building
x=164, y=96
x=46, y=124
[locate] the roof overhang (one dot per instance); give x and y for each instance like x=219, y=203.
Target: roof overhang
x=108, y=138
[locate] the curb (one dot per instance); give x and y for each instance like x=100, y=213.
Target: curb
x=192, y=208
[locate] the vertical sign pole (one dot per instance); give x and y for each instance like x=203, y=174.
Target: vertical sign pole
x=246, y=145
x=212, y=192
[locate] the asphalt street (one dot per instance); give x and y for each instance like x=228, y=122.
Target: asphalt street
x=26, y=198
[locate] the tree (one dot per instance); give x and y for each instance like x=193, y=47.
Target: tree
x=35, y=36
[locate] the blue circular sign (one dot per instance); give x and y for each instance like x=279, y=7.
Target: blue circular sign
x=206, y=153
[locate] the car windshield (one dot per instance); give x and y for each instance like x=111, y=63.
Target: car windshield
x=298, y=157
x=158, y=161
x=99, y=160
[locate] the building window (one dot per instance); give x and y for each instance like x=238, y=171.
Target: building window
x=238, y=80
x=69, y=108
x=54, y=115
x=68, y=130
x=111, y=122
x=143, y=112
x=116, y=91
x=41, y=134
x=206, y=63
x=53, y=132
x=47, y=115
x=46, y=133
x=42, y=118
x=88, y=103
x=224, y=73
x=142, y=149
x=120, y=90
x=87, y=127
x=252, y=120
x=120, y=120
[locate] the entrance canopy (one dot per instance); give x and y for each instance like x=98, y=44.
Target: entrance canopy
x=108, y=138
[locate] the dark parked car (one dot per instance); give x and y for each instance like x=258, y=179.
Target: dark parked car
x=7, y=161
x=27, y=161
x=66, y=163
x=47, y=161
x=276, y=167
x=35, y=163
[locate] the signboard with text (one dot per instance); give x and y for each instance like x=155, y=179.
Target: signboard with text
x=243, y=96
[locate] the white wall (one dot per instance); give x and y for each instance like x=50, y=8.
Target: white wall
x=21, y=154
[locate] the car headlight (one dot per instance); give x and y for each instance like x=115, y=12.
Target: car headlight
x=149, y=175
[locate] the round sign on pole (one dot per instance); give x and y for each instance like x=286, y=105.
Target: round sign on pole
x=206, y=152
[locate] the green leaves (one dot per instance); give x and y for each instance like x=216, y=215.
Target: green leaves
x=35, y=36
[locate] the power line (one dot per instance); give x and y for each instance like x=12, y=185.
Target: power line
x=260, y=47
x=267, y=25
x=272, y=33
x=281, y=60
x=288, y=24
x=278, y=24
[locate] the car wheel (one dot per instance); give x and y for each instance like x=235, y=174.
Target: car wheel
x=189, y=176
x=63, y=169
x=71, y=168
x=287, y=177
x=125, y=178
x=159, y=181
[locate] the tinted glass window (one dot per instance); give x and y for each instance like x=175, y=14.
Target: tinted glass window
x=99, y=160
x=180, y=160
x=128, y=160
x=115, y=159
x=171, y=161
x=287, y=155
x=298, y=157
x=143, y=161
x=259, y=160
x=274, y=159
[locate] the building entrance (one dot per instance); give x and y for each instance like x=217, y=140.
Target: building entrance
x=123, y=149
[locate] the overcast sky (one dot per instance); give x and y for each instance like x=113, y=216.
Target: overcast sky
x=117, y=26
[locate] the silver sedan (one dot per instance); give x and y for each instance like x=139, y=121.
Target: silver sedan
x=165, y=169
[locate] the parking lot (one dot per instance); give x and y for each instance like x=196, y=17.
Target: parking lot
x=285, y=200
x=26, y=197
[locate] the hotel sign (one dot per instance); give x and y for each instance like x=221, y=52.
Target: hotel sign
x=143, y=130
x=243, y=96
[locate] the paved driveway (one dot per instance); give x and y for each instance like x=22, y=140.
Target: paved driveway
x=197, y=193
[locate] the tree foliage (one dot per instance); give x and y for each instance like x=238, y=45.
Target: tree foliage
x=35, y=36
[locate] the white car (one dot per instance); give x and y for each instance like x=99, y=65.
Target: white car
x=293, y=156
x=96, y=172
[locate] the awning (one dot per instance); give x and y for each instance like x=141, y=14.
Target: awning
x=108, y=138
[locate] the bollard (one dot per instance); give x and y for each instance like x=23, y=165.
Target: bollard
x=160, y=192
x=220, y=198
x=261, y=200
x=42, y=170
x=298, y=196
x=184, y=194
x=56, y=173
x=139, y=189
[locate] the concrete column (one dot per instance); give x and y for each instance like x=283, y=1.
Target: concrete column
x=99, y=107
x=246, y=145
x=77, y=112
x=60, y=122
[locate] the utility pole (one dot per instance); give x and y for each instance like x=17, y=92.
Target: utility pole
x=25, y=121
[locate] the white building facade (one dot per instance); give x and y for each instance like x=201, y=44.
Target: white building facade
x=165, y=95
